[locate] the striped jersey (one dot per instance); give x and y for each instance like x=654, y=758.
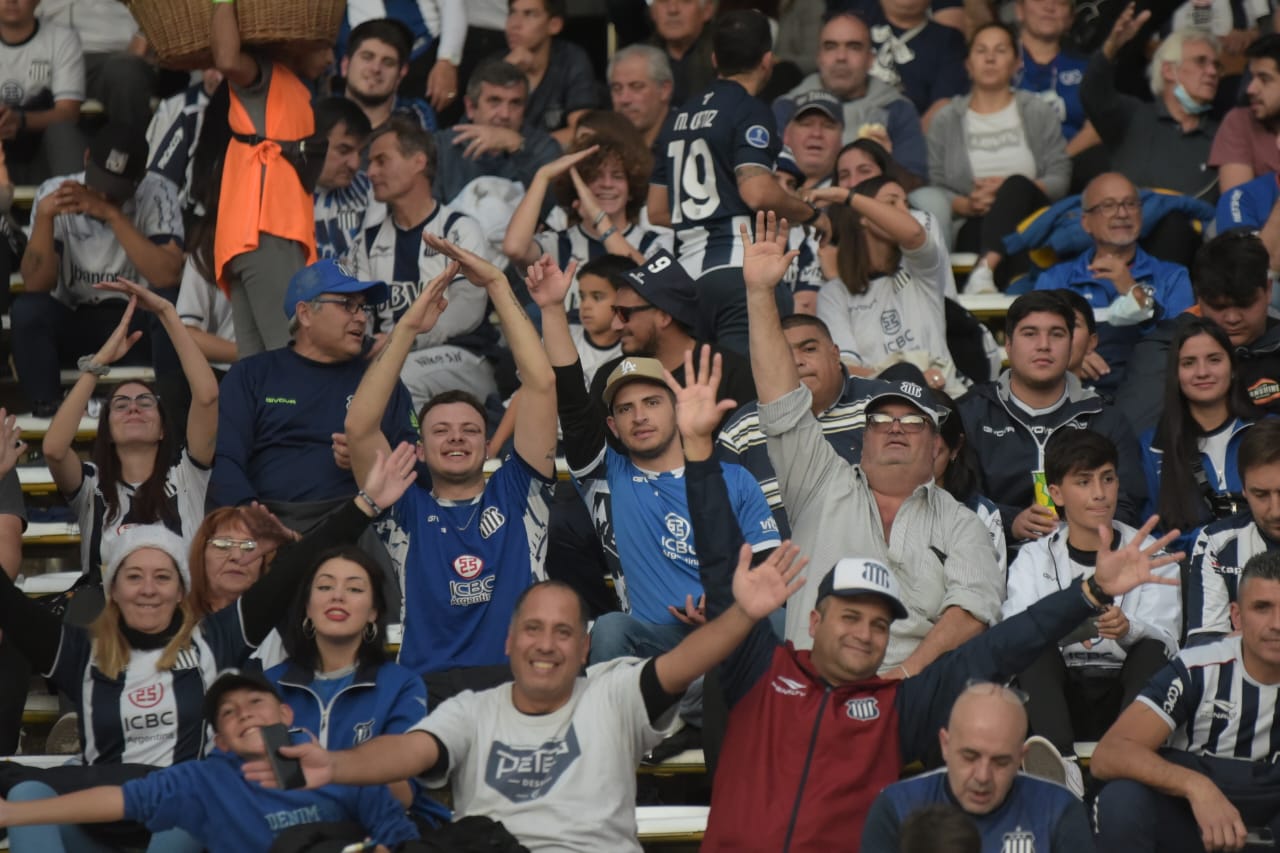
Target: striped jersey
x=575, y=244
x=697, y=157
x=47, y=67
x=742, y=441
x=1219, y=555
x=88, y=251
x=172, y=137
x=464, y=565
x=1213, y=706
x=339, y=216
x=147, y=716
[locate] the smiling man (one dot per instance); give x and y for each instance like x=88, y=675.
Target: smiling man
x=377, y=60
x=982, y=745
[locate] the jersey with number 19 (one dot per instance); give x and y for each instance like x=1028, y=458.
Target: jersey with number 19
x=698, y=153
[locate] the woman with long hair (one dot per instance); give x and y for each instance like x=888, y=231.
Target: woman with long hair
x=141, y=473
x=138, y=674
x=884, y=299
x=342, y=688
x=1189, y=457
x=998, y=152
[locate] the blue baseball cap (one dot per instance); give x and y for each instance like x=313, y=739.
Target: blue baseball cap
x=328, y=276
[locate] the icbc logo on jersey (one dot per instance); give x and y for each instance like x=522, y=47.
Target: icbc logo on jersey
x=468, y=566
x=147, y=697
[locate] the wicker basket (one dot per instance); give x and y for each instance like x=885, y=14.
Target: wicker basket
x=178, y=30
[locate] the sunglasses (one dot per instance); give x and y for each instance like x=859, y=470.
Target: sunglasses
x=624, y=312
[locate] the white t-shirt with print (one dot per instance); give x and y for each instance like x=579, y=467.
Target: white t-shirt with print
x=997, y=144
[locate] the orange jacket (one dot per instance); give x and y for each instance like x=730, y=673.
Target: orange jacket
x=252, y=175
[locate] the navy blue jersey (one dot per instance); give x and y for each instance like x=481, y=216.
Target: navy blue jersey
x=697, y=156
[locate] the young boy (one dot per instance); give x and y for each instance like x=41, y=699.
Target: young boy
x=211, y=800
x=1101, y=666
x=561, y=81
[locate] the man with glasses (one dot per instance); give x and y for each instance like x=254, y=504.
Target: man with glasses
x=279, y=410
x=887, y=507
x=983, y=748
x=1130, y=291
x=402, y=169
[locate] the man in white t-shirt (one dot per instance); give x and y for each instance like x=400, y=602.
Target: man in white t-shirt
x=41, y=88
x=553, y=755
x=112, y=220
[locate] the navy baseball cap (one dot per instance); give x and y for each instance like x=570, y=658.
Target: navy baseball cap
x=328, y=276
x=787, y=109
x=863, y=576
x=234, y=679
x=914, y=394
x=117, y=162
x=664, y=284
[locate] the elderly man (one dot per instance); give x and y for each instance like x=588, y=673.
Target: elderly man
x=682, y=30
x=983, y=749
x=1130, y=291
x=872, y=107
x=1184, y=81
x=640, y=85
x=813, y=137
x=888, y=507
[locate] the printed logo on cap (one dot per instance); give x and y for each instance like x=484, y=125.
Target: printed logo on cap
x=757, y=136
x=874, y=573
x=117, y=162
x=911, y=389
x=628, y=366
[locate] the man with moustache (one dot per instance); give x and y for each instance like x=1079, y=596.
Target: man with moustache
x=640, y=84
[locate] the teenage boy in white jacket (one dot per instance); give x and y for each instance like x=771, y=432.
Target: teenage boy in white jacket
x=1080, y=687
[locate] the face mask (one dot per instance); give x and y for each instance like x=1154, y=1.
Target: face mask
x=1191, y=105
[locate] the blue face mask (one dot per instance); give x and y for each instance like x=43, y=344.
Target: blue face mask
x=1190, y=104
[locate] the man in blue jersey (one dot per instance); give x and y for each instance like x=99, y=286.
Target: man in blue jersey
x=983, y=749
x=211, y=800
x=1193, y=759
x=1225, y=546
x=342, y=191
x=637, y=499
x=468, y=547
x=713, y=168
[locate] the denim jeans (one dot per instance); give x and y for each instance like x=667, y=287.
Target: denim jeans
x=618, y=635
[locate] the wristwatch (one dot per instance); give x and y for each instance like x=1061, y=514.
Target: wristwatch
x=1096, y=591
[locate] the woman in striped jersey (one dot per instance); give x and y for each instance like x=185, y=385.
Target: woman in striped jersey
x=138, y=675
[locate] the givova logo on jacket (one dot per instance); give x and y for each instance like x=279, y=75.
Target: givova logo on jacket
x=523, y=773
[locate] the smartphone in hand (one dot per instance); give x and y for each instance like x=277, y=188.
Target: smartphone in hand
x=288, y=771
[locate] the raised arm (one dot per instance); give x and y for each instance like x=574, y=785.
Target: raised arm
x=535, y=431
x=386, y=758
x=202, y=417
x=764, y=264
x=224, y=40
x=63, y=463
x=363, y=424
x=518, y=243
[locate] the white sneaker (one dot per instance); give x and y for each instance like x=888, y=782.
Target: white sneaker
x=64, y=737
x=1044, y=760
x=981, y=280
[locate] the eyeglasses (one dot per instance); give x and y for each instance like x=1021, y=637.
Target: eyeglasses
x=1110, y=206
x=1004, y=689
x=624, y=312
x=145, y=402
x=908, y=423
x=1203, y=62
x=224, y=544
x=350, y=304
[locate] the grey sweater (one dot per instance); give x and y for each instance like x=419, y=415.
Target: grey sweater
x=949, y=166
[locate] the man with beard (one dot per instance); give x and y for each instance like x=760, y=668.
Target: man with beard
x=637, y=497
x=342, y=191
x=1245, y=144
x=377, y=60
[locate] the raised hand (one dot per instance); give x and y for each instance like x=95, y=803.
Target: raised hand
x=1125, y=28
x=547, y=283
x=566, y=162
x=764, y=589
x=478, y=271
x=766, y=258
x=391, y=474
x=1124, y=569
x=121, y=340
x=148, y=299
x=425, y=311
x=268, y=530
x=316, y=763
x=698, y=414
x=11, y=444
x=588, y=206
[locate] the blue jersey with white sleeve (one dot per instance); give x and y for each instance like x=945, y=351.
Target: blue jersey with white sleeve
x=697, y=157
x=642, y=518
x=465, y=564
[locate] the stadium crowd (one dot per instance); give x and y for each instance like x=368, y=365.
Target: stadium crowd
x=637, y=392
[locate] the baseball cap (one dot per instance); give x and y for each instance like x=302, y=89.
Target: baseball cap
x=135, y=537
x=915, y=394
x=234, y=679
x=863, y=576
x=117, y=162
x=328, y=276
x=820, y=100
x=664, y=284
x=629, y=370
x=786, y=162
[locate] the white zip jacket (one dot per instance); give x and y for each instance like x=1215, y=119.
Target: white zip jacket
x=1044, y=566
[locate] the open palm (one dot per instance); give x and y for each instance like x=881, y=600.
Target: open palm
x=1129, y=567
x=764, y=589
x=547, y=283
x=697, y=411
x=425, y=311
x=766, y=259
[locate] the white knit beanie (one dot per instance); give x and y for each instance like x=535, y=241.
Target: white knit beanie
x=136, y=536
